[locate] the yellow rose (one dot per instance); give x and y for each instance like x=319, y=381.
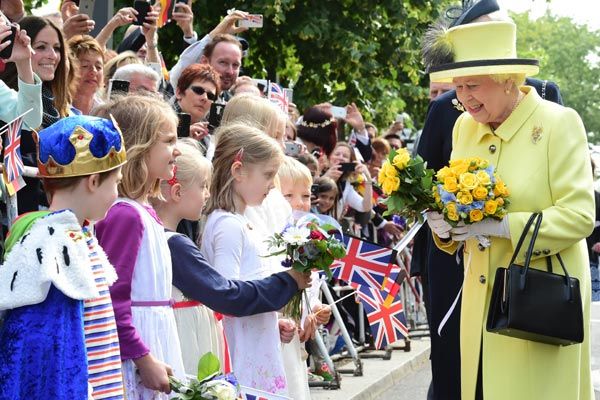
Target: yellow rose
x=390, y=185
x=451, y=212
x=483, y=178
x=450, y=184
x=464, y=198
x=500, y=201
x=459, y=166
x=388, y=170
x=482, y=163
x=475, y=215
x=467, y=181
x=500, y=189
x=491, y=206
x=401, y=158
x=444, y=173
x=480, y=193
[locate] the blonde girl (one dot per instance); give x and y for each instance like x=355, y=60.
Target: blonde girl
x=196, y=285
x=244, y=169
x=134, y=240
x=274, y=213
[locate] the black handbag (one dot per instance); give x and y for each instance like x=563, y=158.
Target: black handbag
x=536, y=305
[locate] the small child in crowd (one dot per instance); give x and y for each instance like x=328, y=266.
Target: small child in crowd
x=58, y=338
x=326, y=192
x=197, y=285
x=295, y=180
x=245, y=165
x=135, y=241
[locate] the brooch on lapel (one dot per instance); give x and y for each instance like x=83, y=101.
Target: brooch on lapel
x=456, y=104
x=536, y=134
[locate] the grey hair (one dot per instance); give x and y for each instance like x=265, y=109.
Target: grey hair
x=125, y=73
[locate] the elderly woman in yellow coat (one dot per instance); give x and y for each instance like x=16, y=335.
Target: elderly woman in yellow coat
x=540, y=151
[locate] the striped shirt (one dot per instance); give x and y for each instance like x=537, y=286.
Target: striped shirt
x=101, y=338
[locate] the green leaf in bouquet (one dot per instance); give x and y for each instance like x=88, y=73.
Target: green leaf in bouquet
x=208, y=366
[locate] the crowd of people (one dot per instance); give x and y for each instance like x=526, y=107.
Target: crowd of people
x=173, y=181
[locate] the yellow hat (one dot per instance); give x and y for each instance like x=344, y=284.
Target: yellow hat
x=482, y=48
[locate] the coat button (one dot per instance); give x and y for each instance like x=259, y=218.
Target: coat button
x=482, y=279
x=537, y=253
x=480, y=247
x=492, y=148
x=546, y=251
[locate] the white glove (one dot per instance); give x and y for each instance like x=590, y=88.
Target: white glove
x=438, y=225
x=487, y=227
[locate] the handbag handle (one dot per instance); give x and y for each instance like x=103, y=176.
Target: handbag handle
x=522, y=238
x=523, y=278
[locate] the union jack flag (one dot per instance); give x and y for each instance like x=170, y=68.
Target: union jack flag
x=13, y=163
x=249, y=393
x=388, y=324
x=278, y=96
x=365, y=263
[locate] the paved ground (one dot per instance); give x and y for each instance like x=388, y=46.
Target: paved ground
x=407, y=375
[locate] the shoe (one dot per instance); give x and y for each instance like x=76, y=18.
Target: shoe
x=314, y=378
x=324, y=372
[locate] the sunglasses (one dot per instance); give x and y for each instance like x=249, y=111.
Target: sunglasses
x=199, y=90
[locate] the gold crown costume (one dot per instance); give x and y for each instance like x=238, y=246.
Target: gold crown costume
x=78, y=146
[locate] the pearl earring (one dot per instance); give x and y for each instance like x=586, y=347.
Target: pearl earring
x=507, y=91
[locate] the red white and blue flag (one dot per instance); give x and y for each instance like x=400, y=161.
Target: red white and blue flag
x=365, y=263
x=388, y=324
x=278, y=96
x=13, y=162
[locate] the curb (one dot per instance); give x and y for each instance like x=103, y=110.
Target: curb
x=379, y=375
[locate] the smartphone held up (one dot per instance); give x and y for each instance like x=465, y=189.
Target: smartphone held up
x=251, y=21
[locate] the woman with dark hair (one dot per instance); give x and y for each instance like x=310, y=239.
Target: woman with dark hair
x=51, y=64
x=197, y=88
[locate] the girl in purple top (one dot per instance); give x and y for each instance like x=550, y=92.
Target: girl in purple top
x=134, y=240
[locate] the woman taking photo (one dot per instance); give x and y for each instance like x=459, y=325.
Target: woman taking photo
x=197, y=88
x=540, y=151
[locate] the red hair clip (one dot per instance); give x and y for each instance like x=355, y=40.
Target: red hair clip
x=239, y=155
x=173, y=180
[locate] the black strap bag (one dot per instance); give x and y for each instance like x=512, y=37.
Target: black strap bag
x=536, y=305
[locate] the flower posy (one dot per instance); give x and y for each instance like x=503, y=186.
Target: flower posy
x=469, y=190
x=407, y=183
x=307, y=246
x=210, y=383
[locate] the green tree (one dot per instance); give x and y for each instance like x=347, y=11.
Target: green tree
x=336, y=50
x=569, y=55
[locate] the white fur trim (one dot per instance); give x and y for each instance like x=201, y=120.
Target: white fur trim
x=65, y=263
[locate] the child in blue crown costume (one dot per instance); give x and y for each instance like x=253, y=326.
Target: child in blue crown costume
x=57, y=338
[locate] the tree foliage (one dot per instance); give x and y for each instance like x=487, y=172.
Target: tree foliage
x=336, y=50
x=569, y=55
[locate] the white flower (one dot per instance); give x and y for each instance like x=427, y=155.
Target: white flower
x=219, y=390
x=295, y=235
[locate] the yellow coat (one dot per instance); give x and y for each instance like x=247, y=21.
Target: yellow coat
x=541, y=153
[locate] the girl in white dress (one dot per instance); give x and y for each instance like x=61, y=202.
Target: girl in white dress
x=245, y=165
x=134, y=240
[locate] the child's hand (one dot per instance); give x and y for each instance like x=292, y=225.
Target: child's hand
x=322, y=313
x=303, y=280
x=153, y=373
x=308, y=331
x=287, y=329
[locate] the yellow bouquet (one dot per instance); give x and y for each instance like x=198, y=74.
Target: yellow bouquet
x=406, y=182
x=469, y=190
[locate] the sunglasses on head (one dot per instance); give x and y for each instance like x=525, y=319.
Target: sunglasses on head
x=199, y=90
